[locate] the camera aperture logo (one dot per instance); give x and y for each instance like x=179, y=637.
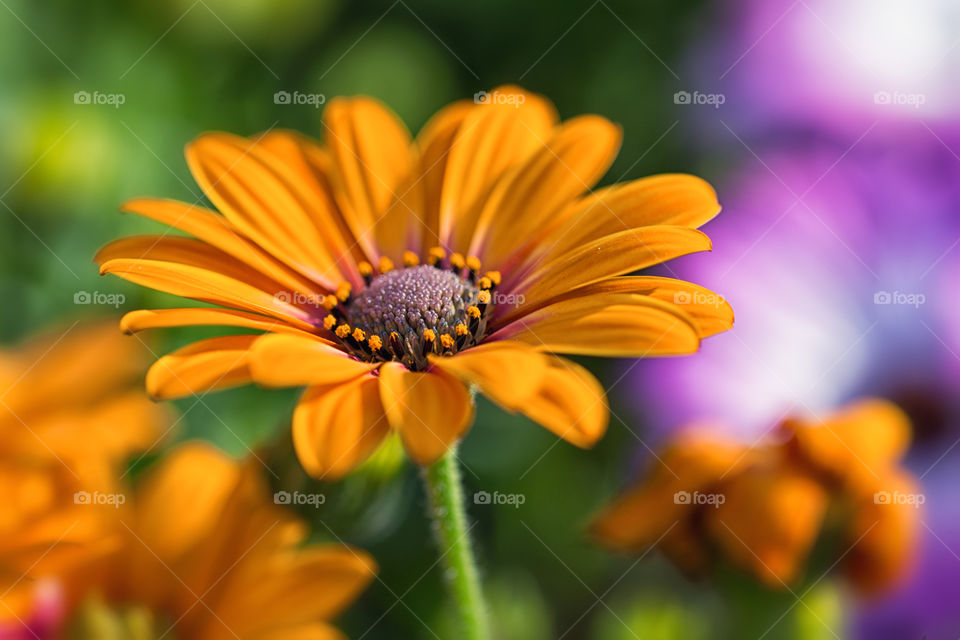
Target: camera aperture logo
x=315, y=100
x=897, y=497
x=97, y=498
x=299, y=498
x=111, y=99
x=497, y=498
x=713, y=499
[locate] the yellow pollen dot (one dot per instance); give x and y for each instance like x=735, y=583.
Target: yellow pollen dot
x=447, y=341
x=484, y=283
x=386, y=264
x=435, y=255
x=410, y=259
x=494, y=276
x=473, y=312
x=394, y=336
x=429, y=335
x=365, y=268
x=474, y=263
x=343, y=291
x=359, y=335
x=461, y=329
x=329, y=322
x=484, y=297
x=457, y=261
x=329, y=302
x=343, y=331
x=375, y=343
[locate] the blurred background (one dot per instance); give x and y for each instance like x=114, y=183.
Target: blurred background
x=831, y=131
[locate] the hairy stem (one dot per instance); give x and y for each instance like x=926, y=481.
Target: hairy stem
x=447, y=512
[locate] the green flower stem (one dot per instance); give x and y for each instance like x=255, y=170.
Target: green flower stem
x=447, y=512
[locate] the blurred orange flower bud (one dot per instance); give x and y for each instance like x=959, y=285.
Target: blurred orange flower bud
x=762, y=508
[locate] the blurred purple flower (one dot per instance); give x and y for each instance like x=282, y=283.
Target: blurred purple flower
x=834, y=64
x=841, y=262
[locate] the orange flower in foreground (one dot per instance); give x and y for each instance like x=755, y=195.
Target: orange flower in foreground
x=762, y=508
x=390, y=274
x=203, y=553
x=71, y=413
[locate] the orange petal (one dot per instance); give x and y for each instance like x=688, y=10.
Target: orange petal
x=287, y=360
x=884, y=530
x=206, y=365
x=614, y=325
x=308, y=162
x=54, y=369
x=196, y=253
x=261, y=198
x=215, y=230
x=372, y=155
x=402, y=227
x=492, y=138
x=571, y=403
x=316, y=584
x=708, y=311
x=430, y=410
x=311, y=631
x=507, y=372
x=652, y=508
x=570, y=162
x=434, y=143
x=768, y=521
x=335, y=428
x=201, y=284
x=609, y=256
x=181, y=500
x=858, y=444
x=199, y=316
x=669, y=199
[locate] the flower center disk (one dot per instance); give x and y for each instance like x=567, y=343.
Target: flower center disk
x=412, y=300
x=407, y=314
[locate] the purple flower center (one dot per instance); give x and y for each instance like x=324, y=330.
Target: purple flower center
x=412, y=300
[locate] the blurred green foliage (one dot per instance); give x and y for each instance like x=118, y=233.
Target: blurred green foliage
x=184, y=67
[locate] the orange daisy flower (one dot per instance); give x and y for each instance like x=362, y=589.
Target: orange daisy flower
x=62, y=396
x=392, y=274
x=762, y=508
x=202, y=553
